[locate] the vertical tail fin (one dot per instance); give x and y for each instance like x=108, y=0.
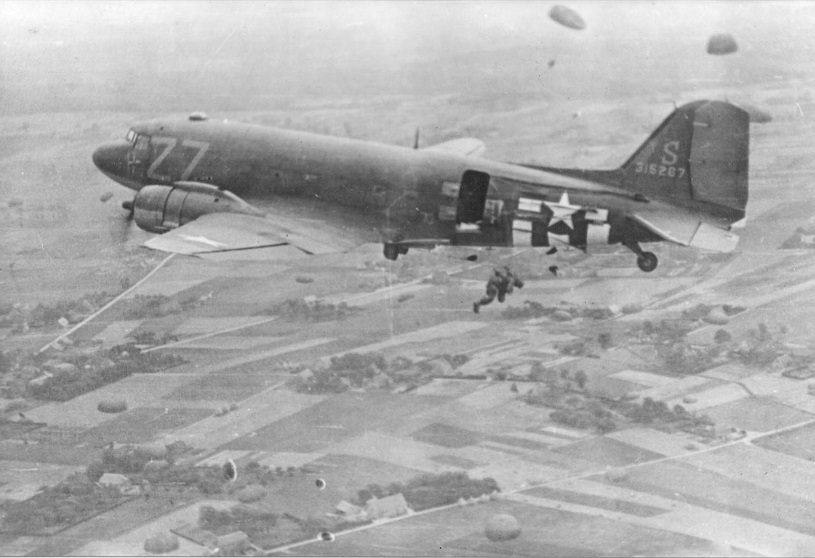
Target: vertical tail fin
x=698, y=154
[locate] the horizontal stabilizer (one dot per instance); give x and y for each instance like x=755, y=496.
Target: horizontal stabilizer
x=686, y=229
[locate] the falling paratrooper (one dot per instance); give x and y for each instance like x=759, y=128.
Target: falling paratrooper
x=567, y=17
x=720, y=44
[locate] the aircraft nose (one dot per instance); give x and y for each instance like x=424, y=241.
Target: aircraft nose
x=111, y=158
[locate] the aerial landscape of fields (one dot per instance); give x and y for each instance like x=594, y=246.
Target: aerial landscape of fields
x=345, y=404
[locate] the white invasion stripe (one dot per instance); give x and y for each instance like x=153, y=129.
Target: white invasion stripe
x=598, y=234
x=562, y=238
x=521, y=225
x=527, y=204
x=521, y=238
x=597, y=215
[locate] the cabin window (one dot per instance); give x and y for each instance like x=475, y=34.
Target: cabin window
x=131, y=136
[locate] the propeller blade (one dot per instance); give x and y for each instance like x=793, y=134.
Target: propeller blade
x=122, y=227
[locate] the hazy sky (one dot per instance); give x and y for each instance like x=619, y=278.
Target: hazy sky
x=123, y=54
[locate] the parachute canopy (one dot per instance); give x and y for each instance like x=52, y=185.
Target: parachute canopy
x=568, y=17
x=230, y=470
x=502, y=527
x=161, y=543
x=721, y=44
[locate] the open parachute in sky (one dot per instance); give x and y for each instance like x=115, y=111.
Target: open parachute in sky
x=567, y=17
x=721, y=44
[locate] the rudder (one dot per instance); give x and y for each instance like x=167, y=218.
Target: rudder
x=698, y=154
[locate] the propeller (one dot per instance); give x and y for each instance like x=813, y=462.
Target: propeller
x=121, y=232
x=416, y=138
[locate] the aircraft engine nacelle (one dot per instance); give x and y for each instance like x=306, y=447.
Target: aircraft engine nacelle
x=158, y=209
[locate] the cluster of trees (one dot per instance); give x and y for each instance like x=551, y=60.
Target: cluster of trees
x=150, y=338
x=71, y=501
x=684, y=358
x=46, y=315
x=264, y=528
x=587, y=414
x=432, y=490
x=665, y=331
x=762, y=347
x=253, y=521
x=124, y=361
x=314, y=311
x=577, y=407
x=566, y=392
x=142, y=307
x=532, y=309
x=558, y=381
x=456, y=361
x=650, y=411
x=356, y=370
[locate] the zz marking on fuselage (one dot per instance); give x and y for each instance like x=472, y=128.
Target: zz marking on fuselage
x=169, y=144
x=202, y=147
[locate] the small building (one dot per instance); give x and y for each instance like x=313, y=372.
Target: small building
x=388, y=507
x=233, y=544
x=114, y=479
x=120, y=482
x=350, y=511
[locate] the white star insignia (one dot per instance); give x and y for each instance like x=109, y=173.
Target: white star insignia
x=562, y=211
x=204, y=240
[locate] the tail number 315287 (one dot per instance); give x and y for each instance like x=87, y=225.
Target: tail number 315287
x=654, y=169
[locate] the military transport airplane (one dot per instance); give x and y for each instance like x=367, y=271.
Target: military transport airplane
x=215, y=186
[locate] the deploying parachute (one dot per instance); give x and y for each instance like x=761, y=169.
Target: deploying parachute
x=567, y=17
x=721, y=44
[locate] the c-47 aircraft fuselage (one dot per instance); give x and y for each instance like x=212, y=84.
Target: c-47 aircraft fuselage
x=687, y=184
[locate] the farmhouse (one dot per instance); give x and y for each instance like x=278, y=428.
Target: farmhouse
x=385, y=508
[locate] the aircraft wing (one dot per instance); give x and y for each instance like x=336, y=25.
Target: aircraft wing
x=227, y=232
x=684, y=228
x=469, y=147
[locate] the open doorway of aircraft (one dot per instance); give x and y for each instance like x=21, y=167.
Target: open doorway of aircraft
x=214, y=186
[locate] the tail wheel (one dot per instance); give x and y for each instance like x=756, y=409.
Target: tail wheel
x=647, y=261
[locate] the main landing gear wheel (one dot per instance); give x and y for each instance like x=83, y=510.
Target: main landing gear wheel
x=647, y=261
x=392, y=251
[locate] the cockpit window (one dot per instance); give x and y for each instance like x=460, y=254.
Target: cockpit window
x=143, y=142
x=131, y=136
